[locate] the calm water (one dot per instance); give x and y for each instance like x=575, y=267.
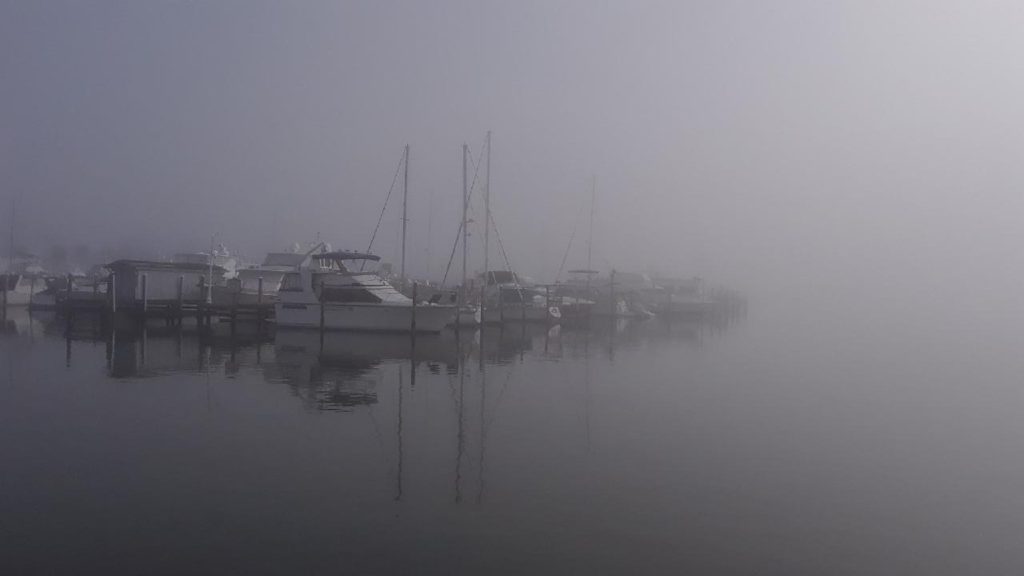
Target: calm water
x=774, y=445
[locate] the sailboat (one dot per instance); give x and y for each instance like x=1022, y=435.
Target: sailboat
x=508, y=299
x=469, y=314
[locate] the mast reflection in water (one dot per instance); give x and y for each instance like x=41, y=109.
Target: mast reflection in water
x=517, y=449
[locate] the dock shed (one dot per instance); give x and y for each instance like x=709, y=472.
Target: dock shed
x=161, y=281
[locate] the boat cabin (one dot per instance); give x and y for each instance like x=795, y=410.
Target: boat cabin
x=338, y=280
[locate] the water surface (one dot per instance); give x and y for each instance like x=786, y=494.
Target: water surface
x=772, y=445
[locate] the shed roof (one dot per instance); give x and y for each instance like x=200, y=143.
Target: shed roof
x=170, y=266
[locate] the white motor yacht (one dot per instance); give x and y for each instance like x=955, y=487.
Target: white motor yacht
x=337, y=298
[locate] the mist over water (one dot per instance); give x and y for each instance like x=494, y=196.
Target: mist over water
x=849, y=167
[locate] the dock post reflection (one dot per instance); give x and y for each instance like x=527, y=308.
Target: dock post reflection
x=401, y=453
x=483, y=424
x=460, y=436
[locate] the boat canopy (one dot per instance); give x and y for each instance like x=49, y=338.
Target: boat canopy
x=587, y=272
x=339, y=255
x=291, y=259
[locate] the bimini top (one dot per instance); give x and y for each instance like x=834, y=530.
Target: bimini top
x=339, y=255
x=587, y=272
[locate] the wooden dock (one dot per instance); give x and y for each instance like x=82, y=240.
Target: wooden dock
x=172, y=312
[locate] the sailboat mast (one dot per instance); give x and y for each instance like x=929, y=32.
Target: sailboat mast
x=487, y=209
x=590, y=234
x=10, y=247
x=465, y=231
x=405, y=207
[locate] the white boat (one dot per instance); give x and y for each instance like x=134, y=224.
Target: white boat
x=468, y=315
x=260, y=284
x=221, y=257
x=684, y=297
x=19, y=288
x=506, y=299
x=337, y=298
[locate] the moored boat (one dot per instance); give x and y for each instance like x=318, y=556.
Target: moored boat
x=336, y=298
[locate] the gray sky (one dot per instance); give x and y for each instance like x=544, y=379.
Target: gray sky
x=800, y=147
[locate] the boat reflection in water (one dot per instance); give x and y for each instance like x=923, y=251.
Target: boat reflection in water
x=19, y=321
x=325, y=363
x=430, y=419
x=340, y=370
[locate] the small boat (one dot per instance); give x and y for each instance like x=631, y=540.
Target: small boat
x=468, y=315
x=18, y=289
x=684, y=297
x=221, y=257
x=506, y=299
x=259, y=284
x=337, y=298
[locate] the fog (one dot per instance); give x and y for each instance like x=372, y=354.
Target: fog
x=862, y=153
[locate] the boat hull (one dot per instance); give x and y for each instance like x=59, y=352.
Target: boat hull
x=687, y=308
x=364, y=317
x=16, y=298
x=467, y=316
x=520, y=313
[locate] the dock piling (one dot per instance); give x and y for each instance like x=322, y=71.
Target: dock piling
x=67, y=298
x=547, y=303
x=145, y=295
x=259, y=302
x=611, y=293
x=413, y=328
x=322, y=307
x=180, y=298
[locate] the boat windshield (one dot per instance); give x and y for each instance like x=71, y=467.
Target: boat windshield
x=347, y=261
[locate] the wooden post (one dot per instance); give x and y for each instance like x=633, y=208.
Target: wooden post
x=7, y=281
x=482, y=306
x=259, y=302
x=522, y=306
x=145, y=295
x=501, y=305
x=181, y=297
x=611, y=292
x=67, y=297
x=413, y=327
x=112, y=287
x=322, y=307
x=547, y=303
x=234, y=309
x=201, y=302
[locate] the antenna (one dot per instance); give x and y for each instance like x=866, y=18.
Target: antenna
x=465, y=232
x=405, y=207
x=590, y=238
x=487, y=209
